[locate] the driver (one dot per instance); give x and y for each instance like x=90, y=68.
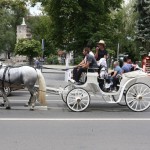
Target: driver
x=89, y=63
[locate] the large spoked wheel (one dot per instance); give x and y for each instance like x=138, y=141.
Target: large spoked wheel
x=78, y=99
x=138, y=97
x=122, y=101
x=65, y=92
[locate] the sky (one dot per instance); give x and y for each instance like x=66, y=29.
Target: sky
x=36, y=10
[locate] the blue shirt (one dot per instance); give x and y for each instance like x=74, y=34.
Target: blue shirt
x=118, y=70
x=126, y=68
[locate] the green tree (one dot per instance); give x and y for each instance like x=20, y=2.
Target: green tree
x=11, y=12
x=143, y=25
x=78, y=23
x=41, y=29
x=30, y=48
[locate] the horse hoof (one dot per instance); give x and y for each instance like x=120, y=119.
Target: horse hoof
x=32, y=109
x=8, y=107
x=2, y=105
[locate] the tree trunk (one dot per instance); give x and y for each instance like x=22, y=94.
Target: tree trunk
x=31, y=61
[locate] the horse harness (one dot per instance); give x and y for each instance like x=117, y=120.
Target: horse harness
x=4, y=75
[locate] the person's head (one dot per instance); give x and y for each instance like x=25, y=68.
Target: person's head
x=89, y=47
x=116, y=63
x=85, y=51
x=129, y=61
x=125, y=59
x=101, y=44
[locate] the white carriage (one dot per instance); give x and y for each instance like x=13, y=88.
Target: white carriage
x=131, y=92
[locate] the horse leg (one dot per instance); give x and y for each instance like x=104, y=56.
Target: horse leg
x=5, y=99
x=29, y=102
x=32, y=99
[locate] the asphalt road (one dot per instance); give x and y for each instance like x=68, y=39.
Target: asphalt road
x=101, y=127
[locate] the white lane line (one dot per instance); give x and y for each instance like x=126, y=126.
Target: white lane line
x=74, y=119
x=22, y=100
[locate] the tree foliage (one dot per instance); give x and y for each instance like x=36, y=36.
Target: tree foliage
x=41, y=29
x=143, y=25
x=11, y=12
x=78, y=23
x=29, y=48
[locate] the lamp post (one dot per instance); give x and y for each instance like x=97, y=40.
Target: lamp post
x=42, y=59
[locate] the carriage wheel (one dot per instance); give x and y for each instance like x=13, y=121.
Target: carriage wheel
x=138, y=97
x=65, y=92
x=122, y=101
x=78, y=99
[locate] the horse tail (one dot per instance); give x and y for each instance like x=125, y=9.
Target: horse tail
x=42, y=88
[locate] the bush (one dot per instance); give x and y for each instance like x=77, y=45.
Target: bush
x=53, y=59
x=78, y=59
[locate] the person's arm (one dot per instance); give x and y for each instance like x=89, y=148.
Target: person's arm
x=81, y=63
x=86, y=65
x=114, y=74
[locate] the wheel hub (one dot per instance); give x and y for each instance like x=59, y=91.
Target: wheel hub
x=139, y=97
x=78, y=99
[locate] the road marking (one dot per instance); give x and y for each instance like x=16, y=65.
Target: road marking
x=22, y=100
x=74, y=119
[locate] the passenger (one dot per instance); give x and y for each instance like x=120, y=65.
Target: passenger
x=137, y=66
x=89, y=62
x=115, y=74
x=101, y=50
x=127, y=66
x=90, y=51
x=102, y=64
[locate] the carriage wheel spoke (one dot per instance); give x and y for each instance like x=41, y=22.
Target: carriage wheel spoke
x=133, y=94
x=141, y=90
x=130, y=101
x=83, y=103
x=134, y=90
x=74, y=105
x=84, y=96
x=137, y=102
x=80, y=106
x=72, y=102
x=144, y=90
x=145, y=94
x=133, y=104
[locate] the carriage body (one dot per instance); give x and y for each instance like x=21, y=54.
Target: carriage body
x=77, y=97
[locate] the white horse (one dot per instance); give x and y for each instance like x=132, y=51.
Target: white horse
x=21, y=77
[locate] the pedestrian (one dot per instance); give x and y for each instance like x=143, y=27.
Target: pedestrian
x=37, y=64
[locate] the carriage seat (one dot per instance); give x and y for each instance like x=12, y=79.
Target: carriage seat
x=134, y=74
